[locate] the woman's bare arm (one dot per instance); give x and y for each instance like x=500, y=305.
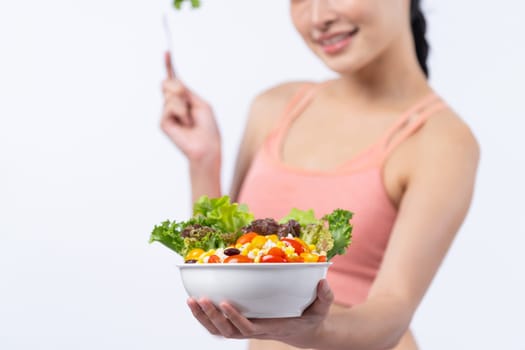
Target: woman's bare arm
x=433, y=207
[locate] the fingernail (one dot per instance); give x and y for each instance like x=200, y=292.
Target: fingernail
x=204, y=306
x=225, y=311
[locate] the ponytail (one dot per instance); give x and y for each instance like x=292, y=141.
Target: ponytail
x=419, y=28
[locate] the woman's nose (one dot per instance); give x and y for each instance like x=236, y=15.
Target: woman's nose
x=323, y=13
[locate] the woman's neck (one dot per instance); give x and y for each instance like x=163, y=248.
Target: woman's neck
x=395, y=75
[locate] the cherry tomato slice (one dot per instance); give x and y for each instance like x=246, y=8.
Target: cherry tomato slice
x=322, y=258
x=303, y=243
x=298, y=247
x=246, y=238
x=277, y=252
x=237, y=259
x=272, y=259
x=214, y=259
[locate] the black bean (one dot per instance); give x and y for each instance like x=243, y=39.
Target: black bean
x=231, y=251
x=191, y=261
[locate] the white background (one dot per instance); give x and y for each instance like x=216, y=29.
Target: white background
x=85, y=172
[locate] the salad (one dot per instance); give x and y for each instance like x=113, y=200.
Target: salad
x=178, y=3
x=223, y=232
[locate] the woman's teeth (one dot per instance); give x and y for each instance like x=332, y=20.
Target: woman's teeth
x=335, y=39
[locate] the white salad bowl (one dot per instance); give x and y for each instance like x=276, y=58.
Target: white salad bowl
x=271, y=290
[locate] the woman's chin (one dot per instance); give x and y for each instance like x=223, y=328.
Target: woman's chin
x=342, y=68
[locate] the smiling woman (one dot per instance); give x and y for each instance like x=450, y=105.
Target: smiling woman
x=377, y=140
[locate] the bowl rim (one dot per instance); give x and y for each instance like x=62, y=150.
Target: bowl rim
x=253, y=265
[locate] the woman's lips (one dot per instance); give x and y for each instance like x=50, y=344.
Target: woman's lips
x=335, y=43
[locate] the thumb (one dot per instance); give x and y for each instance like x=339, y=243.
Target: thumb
x=325, y=298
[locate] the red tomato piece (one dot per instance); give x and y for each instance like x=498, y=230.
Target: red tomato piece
x=272, y=259
x=214, y=259
x=246, y=238
x=237, y=259
x=322, y=258
x=298, y=247
x=277, y=252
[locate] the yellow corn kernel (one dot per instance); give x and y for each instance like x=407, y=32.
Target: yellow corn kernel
x=194, y=254
x=209, y=252
x=245, y=251
x=309, y=257
x=257, y=259
x=289, y=251
x=273, y=238
x=253, y=253
x=258, y=241
x=238, y=245
x=280, y=244
x=311, y=247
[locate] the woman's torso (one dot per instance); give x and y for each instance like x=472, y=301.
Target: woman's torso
x=359, y=174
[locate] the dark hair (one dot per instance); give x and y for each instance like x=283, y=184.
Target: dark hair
x=419, y=29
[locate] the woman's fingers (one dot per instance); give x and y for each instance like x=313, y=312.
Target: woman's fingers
x=174, y=87
x=218, y=319
x=243, y=325
x=176, y=104
x=176, y=111
x=199, y=314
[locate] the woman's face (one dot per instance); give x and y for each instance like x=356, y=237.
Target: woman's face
x=349, y=34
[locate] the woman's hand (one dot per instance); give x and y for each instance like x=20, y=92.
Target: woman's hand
x=188, y=120
x=301, y=331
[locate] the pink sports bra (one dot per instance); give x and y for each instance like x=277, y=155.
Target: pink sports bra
x=271, y=188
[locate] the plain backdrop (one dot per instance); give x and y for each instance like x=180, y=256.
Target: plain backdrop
x=85, y=171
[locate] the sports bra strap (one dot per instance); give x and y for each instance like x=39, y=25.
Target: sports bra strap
x=298, y=103
x=409, y=125
x=298, y=97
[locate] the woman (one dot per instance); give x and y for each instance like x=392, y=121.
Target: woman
x=377, y=141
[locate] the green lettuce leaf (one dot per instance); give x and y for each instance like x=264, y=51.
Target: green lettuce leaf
x=341, y=229
x=223, y=219
x=221, y=214
x=332, y=234
x=178, y=3
x=168, y=233
x=303, y=217
x=318, y=235
x=212, y=240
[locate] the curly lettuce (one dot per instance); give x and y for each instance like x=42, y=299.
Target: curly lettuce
x=341, y=230
x=216, y=223
x=318, y=235
x=169, y=234
x=331, y=234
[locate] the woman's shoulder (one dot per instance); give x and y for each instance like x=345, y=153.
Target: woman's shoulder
x=279, y=95
x=448, y=126
x=446, y=135
x=268, y=106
